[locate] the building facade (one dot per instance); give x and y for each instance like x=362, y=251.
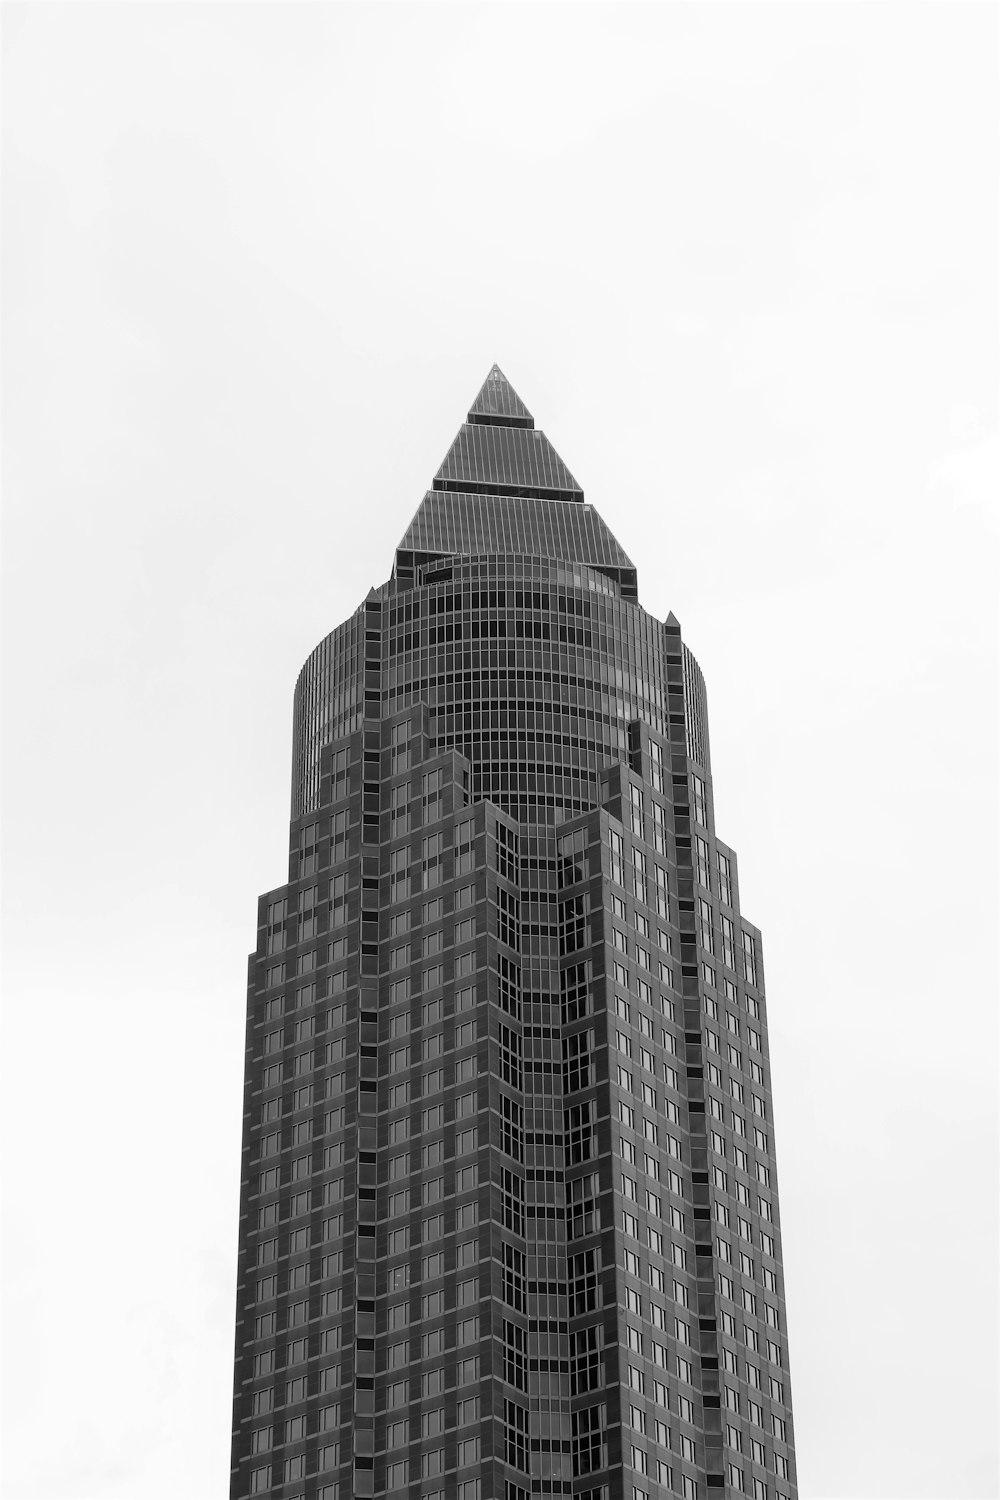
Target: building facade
x=509, y=1219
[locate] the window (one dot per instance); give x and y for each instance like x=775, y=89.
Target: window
x=432, y=1463
x=655, y=766
x=749, y=958
x=464, y=847
x=635, y=797
x=468, y=1452
x=432, y=1422
x=728, y=943
x=615, y=857
x=277, y=912
x=639, y=873
x=399, y=874
x=662, y=894
x=468, y=1411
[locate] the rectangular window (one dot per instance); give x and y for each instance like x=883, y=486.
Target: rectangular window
x=616, y=862
x=749, y=958
x=705, y=925
x=728, y=943
x=639, y=874
x=662, y=893
x=659, y=827
x=464, y=847
x=399, y=874
x=277, y=911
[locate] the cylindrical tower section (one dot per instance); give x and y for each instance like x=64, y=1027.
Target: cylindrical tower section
x=328, y=703
x=695, y=712
x=531, y=669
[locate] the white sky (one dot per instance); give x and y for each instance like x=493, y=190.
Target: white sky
x=741, y=265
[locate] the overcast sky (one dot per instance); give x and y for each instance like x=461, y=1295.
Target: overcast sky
x=741, y=265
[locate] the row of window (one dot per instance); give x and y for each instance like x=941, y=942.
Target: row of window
x=396, y=1475
x=295, y=1429
x=306, y=963
x=433, y=1304
x=431, y=1081
x=714, y=1044
x=502, y=679
x=432, y=1190
x=689, y=1489
x=723, y=870
x=732, y=996
x=427, y=1267
x=636, y=1340
x=431, y=1423
x=648, y=1062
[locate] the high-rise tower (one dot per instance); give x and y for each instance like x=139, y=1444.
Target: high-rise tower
x=509, y=1220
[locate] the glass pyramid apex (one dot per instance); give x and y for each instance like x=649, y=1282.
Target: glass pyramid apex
x=499, y=451
x=498, y=404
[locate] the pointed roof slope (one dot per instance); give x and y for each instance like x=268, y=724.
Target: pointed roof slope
x=470, y=525
x=498, y=404
x=506, y=461
x=498, y=451
x=502, y=489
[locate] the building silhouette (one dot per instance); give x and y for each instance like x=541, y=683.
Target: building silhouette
x=509, y=1219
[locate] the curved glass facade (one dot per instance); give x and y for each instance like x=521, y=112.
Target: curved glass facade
x=531, y=669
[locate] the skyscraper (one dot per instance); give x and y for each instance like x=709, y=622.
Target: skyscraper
x=509, y=1220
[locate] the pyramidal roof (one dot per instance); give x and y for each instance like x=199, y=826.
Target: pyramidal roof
x=498, y=450
x=503, y=488
x=499, y=404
